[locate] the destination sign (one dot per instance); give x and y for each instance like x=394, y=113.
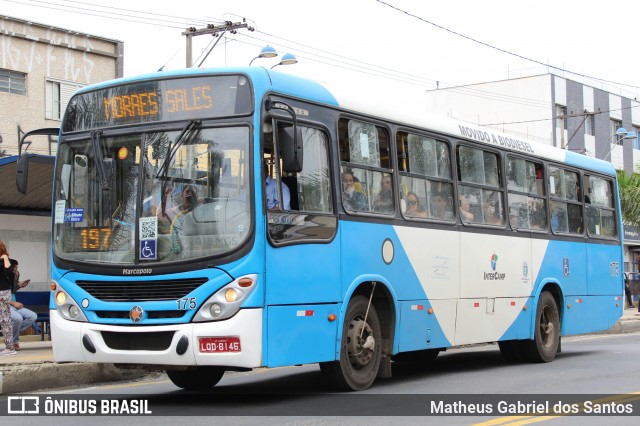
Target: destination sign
x=160, y=100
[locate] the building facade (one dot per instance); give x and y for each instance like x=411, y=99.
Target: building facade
x=41, y=66
x=559, y=111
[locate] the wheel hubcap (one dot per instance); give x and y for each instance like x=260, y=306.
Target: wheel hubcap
x=360, y=343
x=547, y=328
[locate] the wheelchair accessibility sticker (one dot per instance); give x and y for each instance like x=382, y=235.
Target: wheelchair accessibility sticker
x=148, y=238
x=148, y=250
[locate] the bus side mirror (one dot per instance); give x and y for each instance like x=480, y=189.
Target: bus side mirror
x=290, y=140
x=65, y=176
x=22, y=173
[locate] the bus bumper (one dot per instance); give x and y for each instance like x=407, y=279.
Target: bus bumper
x=69, y=340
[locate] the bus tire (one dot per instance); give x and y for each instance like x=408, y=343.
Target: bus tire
x=546, y=339
x=196, y=379
x=359, y=356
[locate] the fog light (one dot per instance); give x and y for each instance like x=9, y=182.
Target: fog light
x=61, y=298
x=231, y=295
x=74, y=311
x=215, y=310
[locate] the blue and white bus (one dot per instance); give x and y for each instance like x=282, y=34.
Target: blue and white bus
x=392, y=236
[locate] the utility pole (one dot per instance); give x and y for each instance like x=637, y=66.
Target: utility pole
x=214, y=30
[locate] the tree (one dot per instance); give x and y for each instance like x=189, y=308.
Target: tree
x=629, y=186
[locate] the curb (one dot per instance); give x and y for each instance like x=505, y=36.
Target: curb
x=32, y=377
x=624, y=326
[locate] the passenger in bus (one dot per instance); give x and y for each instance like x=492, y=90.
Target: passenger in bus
x=383, y=202
x=166, y=216
x=441, y=209
x=271, y=189
x=414, y=209
x=537, y=214
x=465, y=208
x=353, y=200
x=491, y=210
x=558, y=217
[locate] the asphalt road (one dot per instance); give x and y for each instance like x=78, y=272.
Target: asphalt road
x=601, y=369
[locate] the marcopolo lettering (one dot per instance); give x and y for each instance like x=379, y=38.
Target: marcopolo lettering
x=137, y=271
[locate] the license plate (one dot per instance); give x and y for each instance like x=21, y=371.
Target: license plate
x=219, y=344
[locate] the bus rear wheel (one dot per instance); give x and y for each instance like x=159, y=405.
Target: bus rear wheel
x=360, y=348
x=546, y=339
x=196, y=379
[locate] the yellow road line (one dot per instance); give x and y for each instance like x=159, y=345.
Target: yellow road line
x=525, y=420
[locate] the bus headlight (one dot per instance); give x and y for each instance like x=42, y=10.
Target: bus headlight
x=226, y=302
x=74, y=312
x=215, y=310
x=66, y=306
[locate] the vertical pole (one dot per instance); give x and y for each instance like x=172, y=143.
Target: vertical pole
x=189, y=53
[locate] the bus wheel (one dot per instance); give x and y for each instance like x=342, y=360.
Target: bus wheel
x=197, y=379
x=546, y=339
x=360, y=350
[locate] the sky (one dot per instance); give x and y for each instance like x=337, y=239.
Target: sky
x=399, y=48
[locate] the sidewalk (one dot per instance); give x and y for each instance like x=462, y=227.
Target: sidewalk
x=32, y=368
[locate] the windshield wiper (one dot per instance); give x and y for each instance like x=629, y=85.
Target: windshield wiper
x=171, y=150
x=185, y=134
x=102, y=173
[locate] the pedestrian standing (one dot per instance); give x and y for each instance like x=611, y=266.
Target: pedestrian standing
x=6, y=284
x=627, y=291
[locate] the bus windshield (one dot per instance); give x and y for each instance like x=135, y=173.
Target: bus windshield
x=152, y=197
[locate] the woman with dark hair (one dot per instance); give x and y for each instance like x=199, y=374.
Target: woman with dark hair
x=167, y=215
x=414, y=209
x=6, y=284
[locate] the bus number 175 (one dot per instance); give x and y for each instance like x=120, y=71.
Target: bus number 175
x=186, y=303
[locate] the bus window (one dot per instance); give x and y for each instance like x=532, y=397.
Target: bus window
x=600, y=211
x=565, y=204
x=524, y=176
x=367, y=182
x=425, y=177
x=480, y=189
x=313, y=186
x=308, y=190
x=527, y=205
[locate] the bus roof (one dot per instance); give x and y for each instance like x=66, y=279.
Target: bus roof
x=282, y=83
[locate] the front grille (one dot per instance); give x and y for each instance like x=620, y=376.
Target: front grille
x=140, y=291
x=152, y=341
x=150, y=314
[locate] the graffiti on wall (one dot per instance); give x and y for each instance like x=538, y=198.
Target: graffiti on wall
x=58, y=59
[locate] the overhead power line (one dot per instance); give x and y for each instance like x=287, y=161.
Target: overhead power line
x=307, y=52
x=500, y=49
